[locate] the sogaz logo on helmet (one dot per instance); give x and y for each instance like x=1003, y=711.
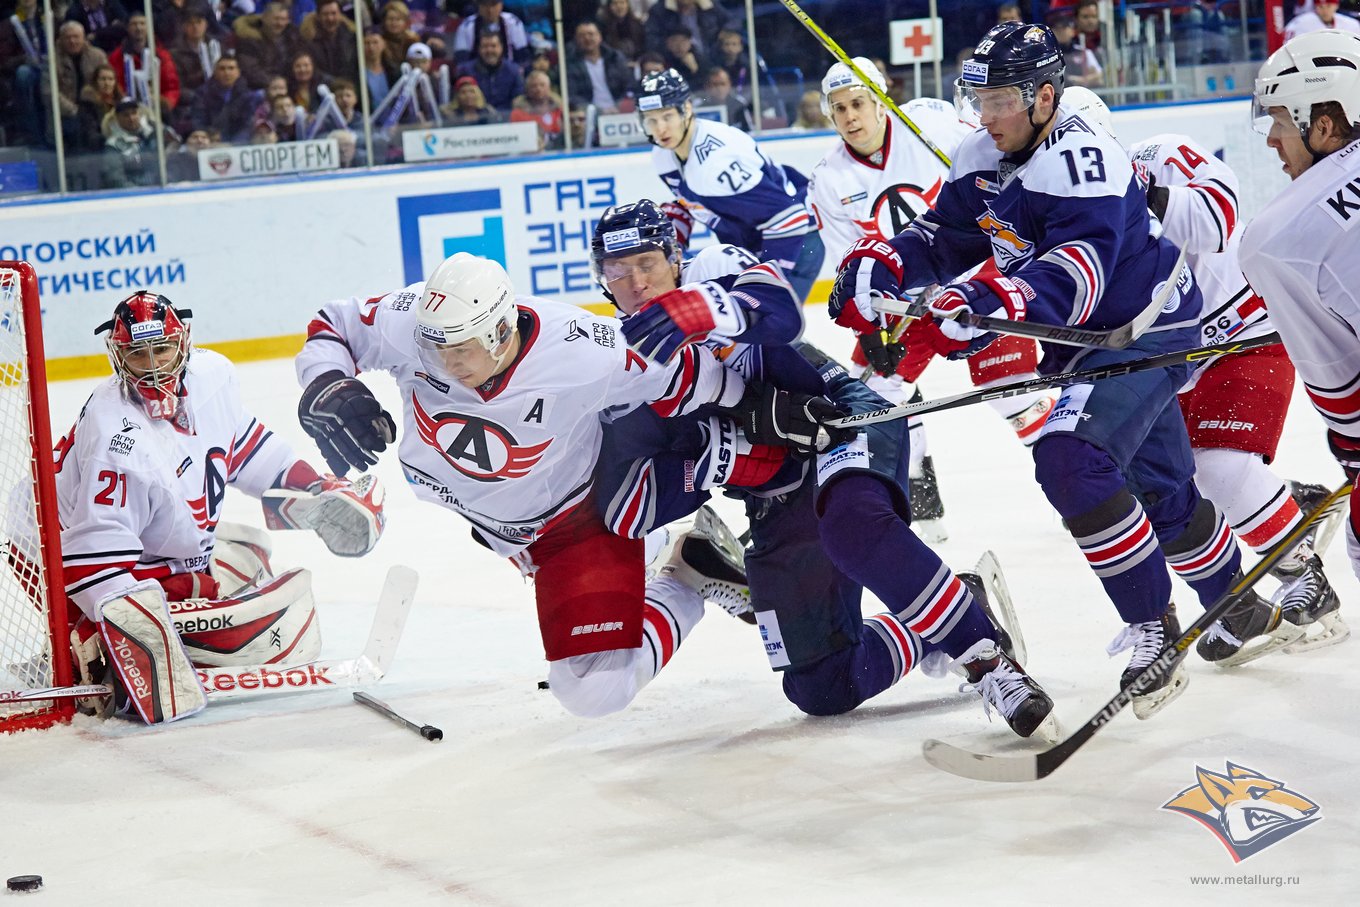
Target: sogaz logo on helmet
x=649, y=102
x=973, y=71
x=430, y=333
x=144, y=329
x=615, y=240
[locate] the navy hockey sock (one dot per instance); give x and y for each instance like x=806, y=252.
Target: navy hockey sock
x=1202, y=550
x=869, y=541
x=1085, y=486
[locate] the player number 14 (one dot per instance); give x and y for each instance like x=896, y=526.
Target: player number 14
x=1092, y=168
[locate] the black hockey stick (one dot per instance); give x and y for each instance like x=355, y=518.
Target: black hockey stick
x=1161, y=360
x=1113, y=339
x=428, y=731
x=1033, y=766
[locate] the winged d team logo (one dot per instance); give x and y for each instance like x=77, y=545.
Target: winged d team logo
x=477, y=448
x=1244, y=809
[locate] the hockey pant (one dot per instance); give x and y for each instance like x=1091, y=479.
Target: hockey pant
x=1114, y=460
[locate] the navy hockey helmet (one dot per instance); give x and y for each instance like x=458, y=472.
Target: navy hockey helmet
x=627, y=230
x=148, y=344
x=1012, y=54
x=660, y=90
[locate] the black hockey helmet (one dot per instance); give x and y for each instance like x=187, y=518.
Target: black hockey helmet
x=630, y=229
x=1013, y=54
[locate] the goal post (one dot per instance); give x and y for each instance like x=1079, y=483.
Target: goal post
x=34, y=633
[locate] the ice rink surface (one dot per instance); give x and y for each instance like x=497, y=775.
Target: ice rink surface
x=711, y=789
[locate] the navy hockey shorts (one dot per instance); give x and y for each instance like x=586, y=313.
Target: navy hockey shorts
x=880, y=448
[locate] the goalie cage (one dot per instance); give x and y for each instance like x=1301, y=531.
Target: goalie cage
x=34, y=634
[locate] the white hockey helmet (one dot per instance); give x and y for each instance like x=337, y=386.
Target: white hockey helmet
x=841, y=76
x=466, y=298
x=1089, y=104
x=1312, y=68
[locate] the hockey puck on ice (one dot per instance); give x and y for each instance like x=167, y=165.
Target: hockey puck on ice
x=543, y=684
x=23, y=883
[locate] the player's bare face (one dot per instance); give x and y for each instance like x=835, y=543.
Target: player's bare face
x=667, y=127
x=858, y=119
x=635, y=280
x=1288, y=144
x=470, y=363
x=1005, y=116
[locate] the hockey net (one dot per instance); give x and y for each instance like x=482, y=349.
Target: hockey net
x=34, y=651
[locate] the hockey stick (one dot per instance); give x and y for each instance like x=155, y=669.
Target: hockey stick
x=1033, y=766
x=428, y=731
x=369, y=667
x=1113, y=339
x=1161, y=360
x=835, y=49
x=41, y=693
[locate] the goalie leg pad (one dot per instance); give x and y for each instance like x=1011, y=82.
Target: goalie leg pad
x=274, y=623
x=240, y=558
x=148, y=657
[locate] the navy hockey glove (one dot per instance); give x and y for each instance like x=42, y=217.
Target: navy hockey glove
x=346, y=421
x=870, y=266
x=768, y=415
x=883, y=354
x=674, y=320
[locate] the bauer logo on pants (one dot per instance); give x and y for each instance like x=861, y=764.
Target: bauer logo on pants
x=1244, y=809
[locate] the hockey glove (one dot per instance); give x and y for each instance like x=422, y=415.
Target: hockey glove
x=346, y=421
x=999, y=297
x=674, y=320
x=871, y=266
x=179, y=587
x=768, y=415
x=883, y=354
x=731, y=459
x=681, y=219
x=1157, y=197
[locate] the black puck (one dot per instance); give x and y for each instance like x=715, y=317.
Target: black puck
x=23, y=883
x=543, y=684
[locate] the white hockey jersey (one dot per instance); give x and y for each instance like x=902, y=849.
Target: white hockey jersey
x=511, y=455
x=1302, y=255
x=138, y=498
x=1202, y=218
x=853, y=197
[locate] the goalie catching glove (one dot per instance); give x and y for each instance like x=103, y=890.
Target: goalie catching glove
x=346, y=421
x=768, y=415
x=686, y=315
x=348, y=516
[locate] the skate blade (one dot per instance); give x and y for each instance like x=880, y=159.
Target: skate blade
x=930, y=531
x=1283, y=635
x=1149, y=704
x=1048, y=731
x=1331, y=629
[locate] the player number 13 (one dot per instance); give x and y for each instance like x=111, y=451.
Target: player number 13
x=1093, y=163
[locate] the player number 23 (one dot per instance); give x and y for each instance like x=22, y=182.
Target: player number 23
x=1091, y=169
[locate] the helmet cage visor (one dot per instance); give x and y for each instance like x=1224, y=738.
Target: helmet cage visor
x=441, y=352
x=993, y=101
x=151, y=366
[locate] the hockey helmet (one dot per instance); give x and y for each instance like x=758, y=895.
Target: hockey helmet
x=1311, y=69
x=466, y=298
x=840, y=76
x=660, y=90
x=148, y=344
x=627, y=230
x=1089, y=104
x=1012, y=54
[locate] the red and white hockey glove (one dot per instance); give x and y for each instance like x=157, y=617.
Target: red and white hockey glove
x=999, y=297
x=180, y=587
x=687, y=315
x=348, y=516
x=870, y=267
x=733, y=460
x=681, y=219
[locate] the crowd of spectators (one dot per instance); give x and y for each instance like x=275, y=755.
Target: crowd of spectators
x=254, y=71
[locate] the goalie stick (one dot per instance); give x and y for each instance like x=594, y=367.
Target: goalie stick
x=904, y=410
x=389, y=620
x=1033, y=766
x=1113, y=339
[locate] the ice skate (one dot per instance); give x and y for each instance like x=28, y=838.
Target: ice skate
x=1006, y=689
x=708, y=558
x=1233, y=639
x=1307, y=600
x=1148, y=640
x=927, y=510
x=988, y=585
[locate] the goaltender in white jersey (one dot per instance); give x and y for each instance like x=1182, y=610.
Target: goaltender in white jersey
x=502, y=397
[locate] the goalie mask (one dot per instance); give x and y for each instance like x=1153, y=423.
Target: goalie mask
x=148, y=343
x=466, y=299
